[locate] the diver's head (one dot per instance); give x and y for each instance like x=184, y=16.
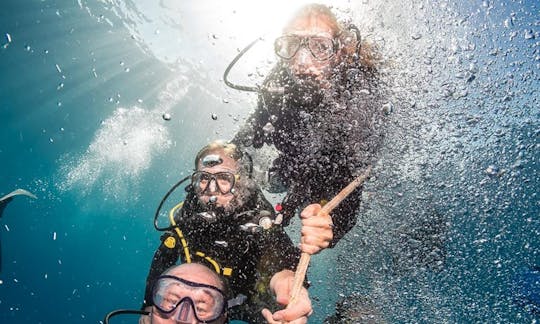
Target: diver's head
x=309, y=46
x=315, y=46
x=189, y=293
x=222, y=177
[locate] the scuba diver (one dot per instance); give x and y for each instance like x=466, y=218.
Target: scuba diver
x=321, y=109
x=4, y=201
x=189, y=292
x=186, y=293
x=226, y=223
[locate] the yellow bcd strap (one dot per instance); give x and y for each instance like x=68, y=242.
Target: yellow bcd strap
x=226, y=271
x=170, y=242
x=179, y=232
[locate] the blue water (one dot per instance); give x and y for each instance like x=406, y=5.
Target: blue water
x=83, y=89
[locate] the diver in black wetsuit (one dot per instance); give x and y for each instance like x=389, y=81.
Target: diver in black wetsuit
x=321, y=109
x=226, y=224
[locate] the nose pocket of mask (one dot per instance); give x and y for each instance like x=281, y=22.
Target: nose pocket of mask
x=185, y=312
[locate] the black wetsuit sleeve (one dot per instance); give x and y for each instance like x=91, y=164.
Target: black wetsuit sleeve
x=164, y=258
x=279, y=252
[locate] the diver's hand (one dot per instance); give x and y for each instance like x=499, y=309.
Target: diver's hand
x=317, y=231
x=281, y=285
x=145, y=319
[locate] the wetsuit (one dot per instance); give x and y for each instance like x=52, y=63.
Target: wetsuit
x=325, y=138
x=246, y=259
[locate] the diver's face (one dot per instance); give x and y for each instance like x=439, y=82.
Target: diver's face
x=303, y=65
x=195, y=273
x=213, y=193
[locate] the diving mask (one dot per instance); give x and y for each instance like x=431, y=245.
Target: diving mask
x=224, y=181
x=322, y=48
x=185, y=301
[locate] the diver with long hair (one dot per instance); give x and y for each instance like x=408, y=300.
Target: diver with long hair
x=321, y=109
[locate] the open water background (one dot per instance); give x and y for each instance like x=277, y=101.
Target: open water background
x=83, y=88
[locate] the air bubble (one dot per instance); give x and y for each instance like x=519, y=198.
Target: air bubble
x=388, y=108
x=166, y=116
x=268, y=128
x=509, y=22
x=529, y=34
x=492, y=170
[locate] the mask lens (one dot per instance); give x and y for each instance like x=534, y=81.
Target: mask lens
x=322, y=48
x=223, y=180
x=200, y=180
x=188, y=299
x=287, y=46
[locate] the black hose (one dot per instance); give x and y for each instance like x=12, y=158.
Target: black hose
x=123, y=311
x=156, y=215
x=233, y=62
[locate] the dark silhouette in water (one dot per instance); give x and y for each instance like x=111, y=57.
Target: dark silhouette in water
x=525, y=289
x=3, y=205
x=4, y=201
